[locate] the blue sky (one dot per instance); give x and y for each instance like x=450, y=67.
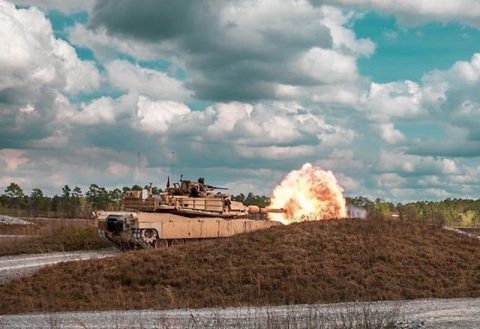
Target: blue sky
x=408, y=52
x=383, y=93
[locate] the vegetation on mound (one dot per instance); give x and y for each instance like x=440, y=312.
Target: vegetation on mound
x=312, y=262
x=50, y=236
x=17, y=229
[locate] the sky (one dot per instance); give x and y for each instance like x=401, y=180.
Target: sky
x=386, y=94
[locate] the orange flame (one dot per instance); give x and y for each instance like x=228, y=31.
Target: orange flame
x=308, y=194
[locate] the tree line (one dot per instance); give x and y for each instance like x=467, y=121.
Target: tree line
x=72, y=202
x=452, y=212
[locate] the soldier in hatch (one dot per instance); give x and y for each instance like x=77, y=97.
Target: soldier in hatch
x=194, y=192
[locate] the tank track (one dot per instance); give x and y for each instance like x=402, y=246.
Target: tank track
x=144, y=238
x=102, y=235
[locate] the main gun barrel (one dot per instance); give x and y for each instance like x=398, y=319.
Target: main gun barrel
x=259, y=210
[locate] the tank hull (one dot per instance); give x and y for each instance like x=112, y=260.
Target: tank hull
x=153, y=230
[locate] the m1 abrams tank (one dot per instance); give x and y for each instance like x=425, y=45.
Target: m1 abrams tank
x=186, y=211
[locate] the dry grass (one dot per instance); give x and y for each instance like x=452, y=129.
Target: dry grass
x=16, y=229
x=315, y=262
x=50, y=235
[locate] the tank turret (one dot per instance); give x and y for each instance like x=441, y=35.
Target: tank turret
x=191, y=199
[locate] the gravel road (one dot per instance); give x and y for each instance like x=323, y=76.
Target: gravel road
x=15, y=266
x=12, y=220
x=434, y=313
x=16, y=236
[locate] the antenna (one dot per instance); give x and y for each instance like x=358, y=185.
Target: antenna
x=138, y=166
x=173, y=164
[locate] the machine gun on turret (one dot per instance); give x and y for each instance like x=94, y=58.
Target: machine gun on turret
x=201, y=181
x=215, y=187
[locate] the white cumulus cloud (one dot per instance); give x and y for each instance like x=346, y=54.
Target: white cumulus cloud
x=13, y=159
x=390, y=134
x=31, y=56
x=415, y=11
x=133, y=78
x=156, y=116
x=68, y=7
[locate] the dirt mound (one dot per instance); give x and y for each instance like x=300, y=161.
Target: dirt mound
x=312, y=262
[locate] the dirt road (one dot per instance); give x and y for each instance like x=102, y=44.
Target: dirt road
x=432, y=313
x=16, y=236
x=15, y=266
